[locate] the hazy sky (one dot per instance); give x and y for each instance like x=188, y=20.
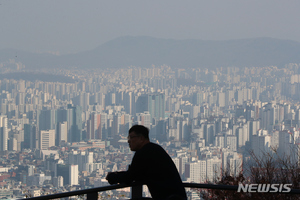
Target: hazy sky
x=69, y=26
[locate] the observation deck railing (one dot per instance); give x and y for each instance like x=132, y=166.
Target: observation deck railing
x=136, y=191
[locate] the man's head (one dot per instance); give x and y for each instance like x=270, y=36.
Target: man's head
x=138, y=136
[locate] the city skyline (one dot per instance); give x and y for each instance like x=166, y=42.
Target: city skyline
x=208, y=120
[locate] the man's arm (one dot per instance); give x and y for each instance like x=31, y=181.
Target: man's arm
x=116, y=177
x=134, y=171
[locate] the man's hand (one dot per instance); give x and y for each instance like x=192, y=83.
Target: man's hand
x=111, y=177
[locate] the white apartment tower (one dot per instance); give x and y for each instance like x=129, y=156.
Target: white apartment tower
x=3, y=133
x=73, y=175
x=62, y=132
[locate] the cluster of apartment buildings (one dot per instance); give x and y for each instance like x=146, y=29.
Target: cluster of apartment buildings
x=66, y=136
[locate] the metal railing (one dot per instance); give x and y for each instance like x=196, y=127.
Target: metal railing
x=136, y=190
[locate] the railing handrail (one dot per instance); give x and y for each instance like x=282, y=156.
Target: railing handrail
x=119, y=186
x=80, y=192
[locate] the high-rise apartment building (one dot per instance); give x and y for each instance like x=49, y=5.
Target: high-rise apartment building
x=3, y=133
x=73, y=174
x=62, y=133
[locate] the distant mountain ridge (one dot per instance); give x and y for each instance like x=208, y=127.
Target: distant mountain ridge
x=145, y=51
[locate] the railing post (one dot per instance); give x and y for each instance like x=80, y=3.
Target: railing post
x=137, y=192
x=92, y=196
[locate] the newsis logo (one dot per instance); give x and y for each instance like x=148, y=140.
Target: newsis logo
x=264, y=188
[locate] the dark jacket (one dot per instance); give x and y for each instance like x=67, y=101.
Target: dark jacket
x=154, y=167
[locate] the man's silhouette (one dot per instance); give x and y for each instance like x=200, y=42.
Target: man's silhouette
x=151, y=165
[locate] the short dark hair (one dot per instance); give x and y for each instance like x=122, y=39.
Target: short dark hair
x=140, y=130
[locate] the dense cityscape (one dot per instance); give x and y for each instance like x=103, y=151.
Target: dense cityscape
x=57, y=136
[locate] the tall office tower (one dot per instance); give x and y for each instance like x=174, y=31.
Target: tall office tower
x=129, y=103
x=62, y=170
x=47, y=139
x=3, y=133
x=74, y=120
x=73, y=174
x=62, y=133
x=46, y=119
x=31, y=137
x=154, y=103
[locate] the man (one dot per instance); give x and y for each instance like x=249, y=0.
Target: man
x=150, y=165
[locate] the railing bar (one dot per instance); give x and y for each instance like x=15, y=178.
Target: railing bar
x=79, y=192
x=118, y=186
x=211, y=186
